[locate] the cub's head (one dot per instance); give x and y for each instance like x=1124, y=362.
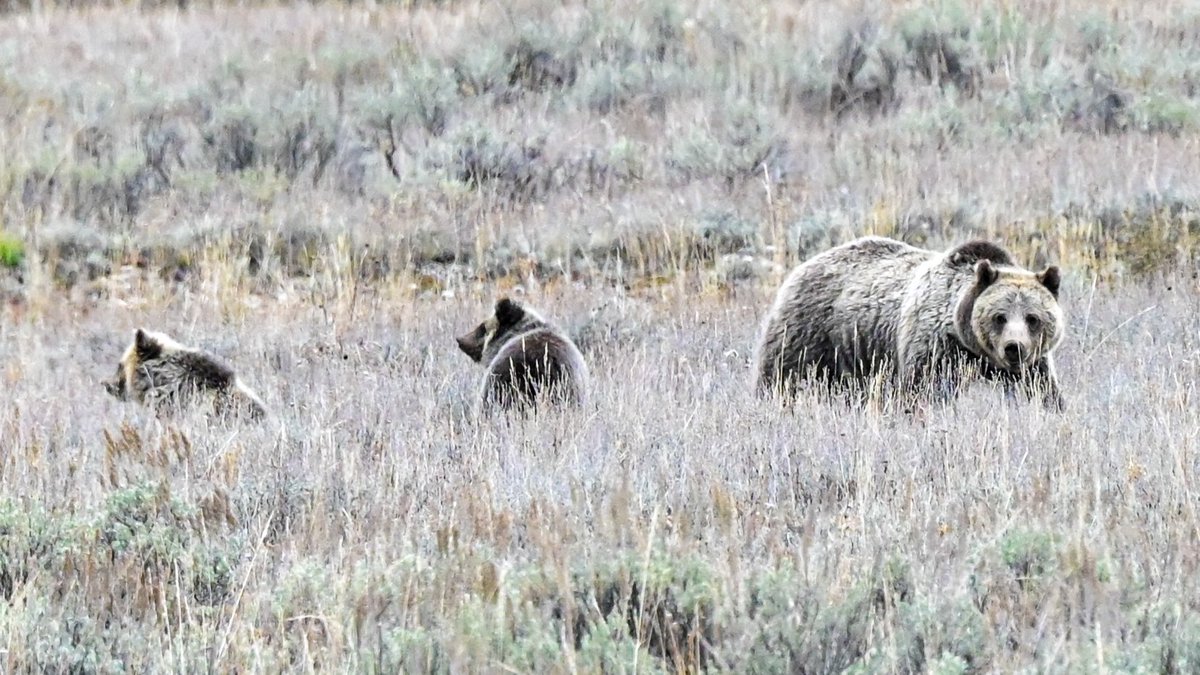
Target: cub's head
x=1011, y=315
x=147, y=347
x=511, y=319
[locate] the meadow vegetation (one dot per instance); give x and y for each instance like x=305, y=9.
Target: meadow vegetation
x=324, y=194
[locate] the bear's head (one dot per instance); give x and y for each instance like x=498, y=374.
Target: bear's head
x=510, y=319
x=1011, y=315
x=146, y=348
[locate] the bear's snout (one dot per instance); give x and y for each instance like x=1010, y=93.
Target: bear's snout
x=1012, y=352
x=113, y=388
x=470, y=346
x=1015, y=353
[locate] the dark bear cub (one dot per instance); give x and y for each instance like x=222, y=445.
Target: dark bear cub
x=528, y=361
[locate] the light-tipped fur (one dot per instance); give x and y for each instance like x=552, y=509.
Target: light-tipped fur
x=529, y=361
x=157, y=371
x=921, y=319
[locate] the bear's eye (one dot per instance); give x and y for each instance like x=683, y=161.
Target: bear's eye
x=1032, y=321
x=1000, y=319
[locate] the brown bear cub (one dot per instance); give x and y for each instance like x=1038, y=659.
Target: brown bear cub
x=528, y=360
x=877, y=307
x=160, y=372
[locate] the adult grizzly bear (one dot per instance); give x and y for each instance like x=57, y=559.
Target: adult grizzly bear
x=528, y=360
x=921, y=319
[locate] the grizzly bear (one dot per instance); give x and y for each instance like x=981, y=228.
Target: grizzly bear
x=880, y=308
x=528, y=360
x=161, y=373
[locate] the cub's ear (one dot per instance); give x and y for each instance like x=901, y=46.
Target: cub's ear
x=146, y=346
x=1050, y=278
x=985, y=274
x=509, y=313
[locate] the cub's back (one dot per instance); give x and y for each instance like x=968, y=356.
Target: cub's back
x=536, y=364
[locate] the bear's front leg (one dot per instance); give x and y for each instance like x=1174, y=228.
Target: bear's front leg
x=1044, y=378
x=929, y=376
x=1040, y=378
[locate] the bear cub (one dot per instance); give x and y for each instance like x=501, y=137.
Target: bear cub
x=161, y=373
x=879, y=308
x=529, y=361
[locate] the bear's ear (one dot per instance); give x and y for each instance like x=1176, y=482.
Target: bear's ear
x=146, y=346
x=509, y=313
x=1050, y=278
x=985, y=274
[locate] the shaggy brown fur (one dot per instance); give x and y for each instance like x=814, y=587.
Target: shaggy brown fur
x=159, y=372
x=528, y=360
x=922, y=319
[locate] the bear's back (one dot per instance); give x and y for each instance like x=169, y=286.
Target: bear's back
x=971, y=252
x=176, y=377
x=836, y=314
x=535, y=364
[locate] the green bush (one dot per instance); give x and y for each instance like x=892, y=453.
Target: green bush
x=12, y=251
x=1030, y=555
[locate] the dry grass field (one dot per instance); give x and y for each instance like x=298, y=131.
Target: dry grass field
x=325, y=194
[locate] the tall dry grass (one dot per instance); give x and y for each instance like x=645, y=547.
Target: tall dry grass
x=674, y=522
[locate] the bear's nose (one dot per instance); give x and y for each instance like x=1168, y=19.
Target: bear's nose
x=1012, y=352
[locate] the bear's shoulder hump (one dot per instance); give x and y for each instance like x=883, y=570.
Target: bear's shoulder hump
x=972, y=252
